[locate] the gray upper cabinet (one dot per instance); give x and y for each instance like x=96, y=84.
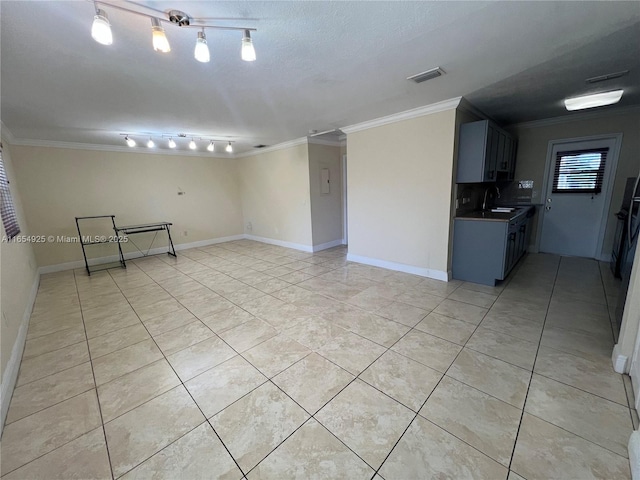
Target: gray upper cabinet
x=486, y=153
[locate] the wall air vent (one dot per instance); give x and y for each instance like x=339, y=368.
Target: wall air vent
x=609, y=76
x=428, y=75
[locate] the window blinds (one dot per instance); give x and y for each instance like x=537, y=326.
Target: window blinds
x=580, y=171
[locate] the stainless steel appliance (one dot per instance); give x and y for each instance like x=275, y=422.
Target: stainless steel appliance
x=632, y=231
x=620, y=243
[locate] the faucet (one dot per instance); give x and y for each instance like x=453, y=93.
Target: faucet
x=484, y=203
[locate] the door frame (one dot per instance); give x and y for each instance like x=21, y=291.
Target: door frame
x=345, y=233
x=617, y=137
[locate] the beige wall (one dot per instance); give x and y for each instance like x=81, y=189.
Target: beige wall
x=275, y=195
x=60, y=184
x=399, y=180
x=326, y=209
x=19, y=272
x=534, y=140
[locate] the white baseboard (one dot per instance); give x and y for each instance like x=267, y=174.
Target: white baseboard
x=131, y=255
x=325, y=246
x=619, y=361
x=400, y=267
x=280, y=243
x=13, y=366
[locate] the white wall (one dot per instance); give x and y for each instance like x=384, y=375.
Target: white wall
x=399, y=181
x=60, y=184
x=533, y=141
x=18, y=284
x=326, y=209
x=275, y=195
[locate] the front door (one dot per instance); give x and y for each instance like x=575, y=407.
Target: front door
x=576, y=196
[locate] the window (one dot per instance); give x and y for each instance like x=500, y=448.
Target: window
x=7, y=210
x=580, y=171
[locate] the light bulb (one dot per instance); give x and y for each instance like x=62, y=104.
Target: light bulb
x=130, y=141
x=160, y=42
x=229, y=148
x=172, y=143
x=201, y=52
x=101, y=28
x=192, y=144
x=150, y=143
x=211, y=147
x=248, y=53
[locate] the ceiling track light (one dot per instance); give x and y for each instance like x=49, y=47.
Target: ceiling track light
x=192, y=144
x=248, y=53
x=172, y=143
x=201, y=52
x=150, y=143
x=158, y=37
x=130, y=141
x=211, y=147
x=229, y=148
x=101, y=30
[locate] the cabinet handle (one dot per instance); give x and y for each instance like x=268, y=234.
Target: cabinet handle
x=512, y=237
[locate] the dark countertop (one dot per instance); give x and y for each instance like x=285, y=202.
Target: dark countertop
x=496, y=216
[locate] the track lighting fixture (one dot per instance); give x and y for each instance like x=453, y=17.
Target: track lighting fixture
x=248, y=53
x=191, y=141
x=159, y=38
x=201, y=52
x=101, y=29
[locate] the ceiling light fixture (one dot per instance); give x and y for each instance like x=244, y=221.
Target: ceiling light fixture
x=192, y=144
x=594, y=100
x=172, y=143
x=211, y=147
x=229, y=148
x=150, y=143
x=159, y=38
x=130, y=141
x=248, y=53
x=101, y=28
x=201, y=52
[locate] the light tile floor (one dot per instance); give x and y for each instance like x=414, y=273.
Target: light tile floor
x=249, y=360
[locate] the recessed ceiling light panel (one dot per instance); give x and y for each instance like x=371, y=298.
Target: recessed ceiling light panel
x=594, y=100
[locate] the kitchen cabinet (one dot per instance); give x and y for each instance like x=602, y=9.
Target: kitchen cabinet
x=486, y=250
x=486, y=153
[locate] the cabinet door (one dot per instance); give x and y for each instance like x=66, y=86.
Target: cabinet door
x=492, y=154
x=512, y=159
x=503, y=155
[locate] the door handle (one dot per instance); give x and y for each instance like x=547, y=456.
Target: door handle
x=547, y=208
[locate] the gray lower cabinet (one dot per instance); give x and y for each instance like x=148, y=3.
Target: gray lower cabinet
x=486, y=251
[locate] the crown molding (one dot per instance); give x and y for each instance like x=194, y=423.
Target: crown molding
x=576, y=117
x=114, y=148
x=406, y=115
x=6, y=134
x=319, y=141
x=274, y=148
x=467, y=106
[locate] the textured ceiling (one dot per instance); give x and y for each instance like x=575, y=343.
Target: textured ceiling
x=321, y=65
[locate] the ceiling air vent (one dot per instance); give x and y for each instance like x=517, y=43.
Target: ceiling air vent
x=259, y=146
x=428, y=75
x=609, y=76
